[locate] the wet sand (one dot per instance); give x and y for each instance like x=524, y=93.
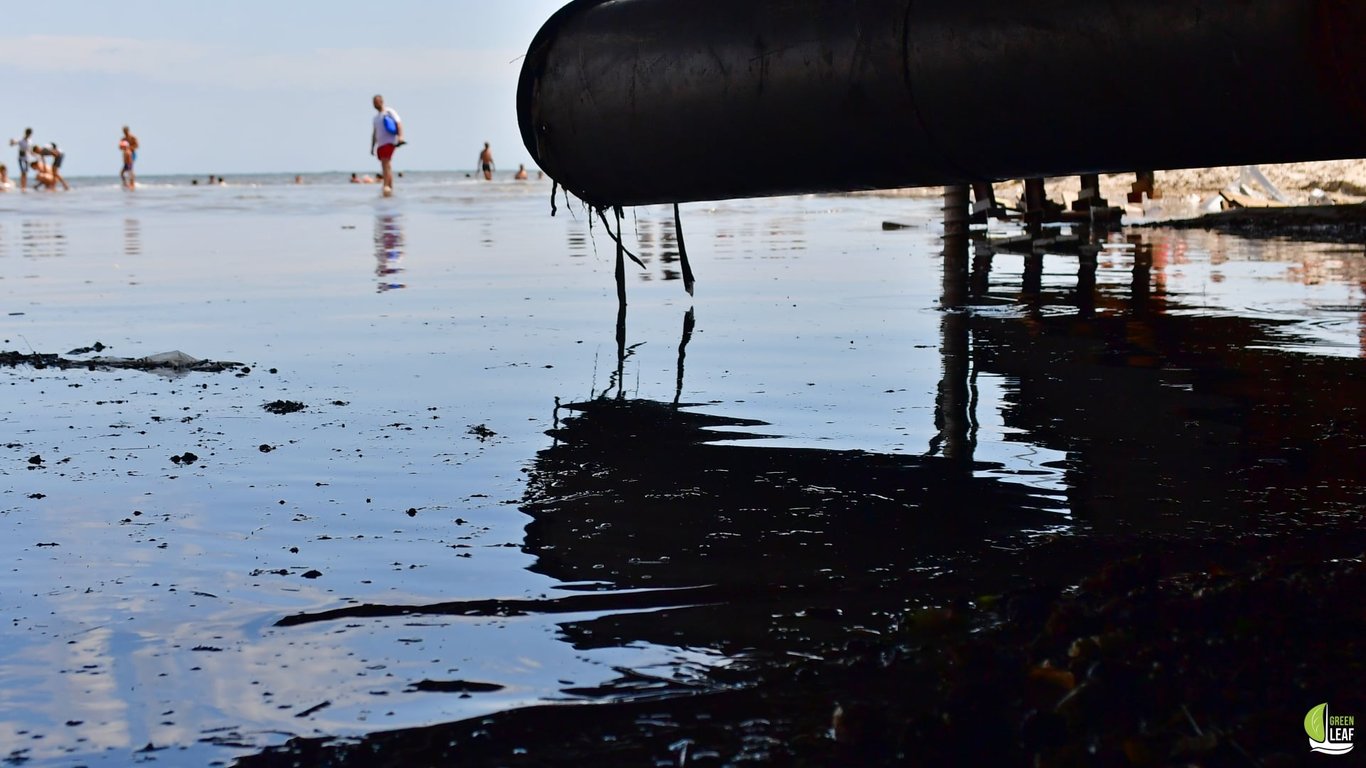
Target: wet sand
x=489, y=500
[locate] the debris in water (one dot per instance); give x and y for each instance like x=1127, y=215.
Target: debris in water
x=454, y=686
x=175, y=361
x=313, y=709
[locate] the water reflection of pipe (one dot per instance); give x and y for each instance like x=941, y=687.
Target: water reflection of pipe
x=639, y=493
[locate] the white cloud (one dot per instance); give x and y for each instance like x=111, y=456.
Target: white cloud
x=223, y=67
x=101, y=55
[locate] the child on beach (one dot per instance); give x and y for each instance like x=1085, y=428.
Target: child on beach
x=5, y=183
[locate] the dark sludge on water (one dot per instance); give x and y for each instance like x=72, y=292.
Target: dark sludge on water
x=879, y=609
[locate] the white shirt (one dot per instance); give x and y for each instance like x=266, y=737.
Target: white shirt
x=382, y=134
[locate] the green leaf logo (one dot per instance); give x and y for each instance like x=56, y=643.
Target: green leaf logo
x=1313, y=722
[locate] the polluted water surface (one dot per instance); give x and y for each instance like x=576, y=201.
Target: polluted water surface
x=448, y=492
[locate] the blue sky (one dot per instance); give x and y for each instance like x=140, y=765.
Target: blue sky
x=257, y=86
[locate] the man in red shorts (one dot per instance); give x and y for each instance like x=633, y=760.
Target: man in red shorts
x=386, y=136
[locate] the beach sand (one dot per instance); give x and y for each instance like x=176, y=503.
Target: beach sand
x=1191, y=191
x=1343, y=181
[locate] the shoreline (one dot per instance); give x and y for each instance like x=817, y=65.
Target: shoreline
x=1342, y=181
x=1324, y=201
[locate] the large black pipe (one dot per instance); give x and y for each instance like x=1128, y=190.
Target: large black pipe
x=627, y=102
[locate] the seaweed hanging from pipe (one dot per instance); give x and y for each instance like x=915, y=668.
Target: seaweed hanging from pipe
x=621, y=262
x=683, y=252
x=689, y=280
x=616, y=236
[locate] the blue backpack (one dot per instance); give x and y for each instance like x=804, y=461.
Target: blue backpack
x=390, y=124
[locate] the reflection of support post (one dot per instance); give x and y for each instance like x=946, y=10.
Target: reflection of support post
x=982, y=253
x=1031, y=284
x=951, y=405
x=1142, y=277
x=952, y=412
x=1087, y=257
x=955, y=245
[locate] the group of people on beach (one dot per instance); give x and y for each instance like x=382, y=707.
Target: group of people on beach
x=44, y=161
x=386, y=136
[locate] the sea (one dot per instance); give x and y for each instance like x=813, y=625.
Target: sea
x=424, y=465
